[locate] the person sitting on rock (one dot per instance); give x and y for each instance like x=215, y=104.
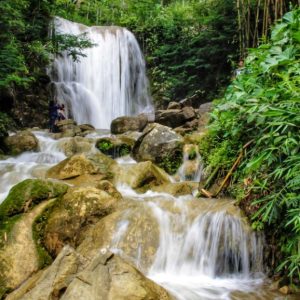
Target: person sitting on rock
x=61, y=112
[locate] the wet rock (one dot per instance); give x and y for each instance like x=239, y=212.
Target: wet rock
x=174, y=105
x=175, y=117
x=19, y=256
x=109, y=188
x=136, y=241
x=52, y=282
x=109, y=277
x=194, y=100
x=115, y=146
x=69, y=128
x=82, y=164
x=72, y=167
x=28, y=193
x=106, y=277
x=80, y=208
x=177, y=189
x=21, y=142
x=285, y=290
x=124, y=124
x=143, y=175
x=76, y=145
x=161, y=145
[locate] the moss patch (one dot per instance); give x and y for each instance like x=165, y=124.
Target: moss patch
x=171, y=163
x=114, y=150
x=38, y=229
x=27, y=194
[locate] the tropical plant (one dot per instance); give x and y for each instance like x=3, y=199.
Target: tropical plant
x=262, y=106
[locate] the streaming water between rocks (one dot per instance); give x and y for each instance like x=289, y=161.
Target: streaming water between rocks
x=205, y=249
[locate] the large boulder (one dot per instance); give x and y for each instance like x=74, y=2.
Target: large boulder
x=124, y=124
x=161, y=145
x=109, y=277
x=143, y=175
x=175, y=117
x=82, y=164
x=127, y=230
x=80, y=208
x=115, y=146
x=76, y=145
x=28, y=193
x=19, y=255
x=21, y=142
x=106, y=277
x=53, y=281
x=69, y=128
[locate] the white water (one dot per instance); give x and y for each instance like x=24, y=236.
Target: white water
x=109, y=82
x=190, y=170
x=204, y=255
x=29, y=164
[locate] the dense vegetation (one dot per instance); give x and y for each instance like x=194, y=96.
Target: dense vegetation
x=261, y=110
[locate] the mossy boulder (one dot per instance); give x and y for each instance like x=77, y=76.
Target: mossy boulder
x=115, y=146
x=161, y=145
x=26, y=194
x=19, y=254
x=21, y=142
x=80, y=208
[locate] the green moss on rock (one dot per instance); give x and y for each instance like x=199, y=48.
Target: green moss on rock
x=113, y=148
x=171, y=163
x=38, y=229
x=27, y=194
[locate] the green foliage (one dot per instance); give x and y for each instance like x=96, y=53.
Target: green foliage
x=25, y=46
x=262, y=105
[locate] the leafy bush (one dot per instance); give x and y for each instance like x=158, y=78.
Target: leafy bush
x=262, y=105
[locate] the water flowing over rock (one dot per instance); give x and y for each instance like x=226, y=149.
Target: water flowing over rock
x=21, y=142
x=108, y=83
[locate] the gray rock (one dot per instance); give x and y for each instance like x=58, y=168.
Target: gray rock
x=158, y=144
x=174, y=105
x=21, y=142
x=124, y=124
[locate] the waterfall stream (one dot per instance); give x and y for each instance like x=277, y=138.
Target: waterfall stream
x=109, y=82
x=203, y=248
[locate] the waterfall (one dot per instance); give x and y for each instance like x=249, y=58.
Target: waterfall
x=109, y=82
x=205, y=250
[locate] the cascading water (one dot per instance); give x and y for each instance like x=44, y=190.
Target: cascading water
x=192, y=165
x=205, y=249
x=29, y=164
x=109, y=82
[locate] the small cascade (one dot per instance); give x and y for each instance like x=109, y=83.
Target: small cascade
x=205, y=249
x=192, y=166
x=29, y=164
x=109, y=82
